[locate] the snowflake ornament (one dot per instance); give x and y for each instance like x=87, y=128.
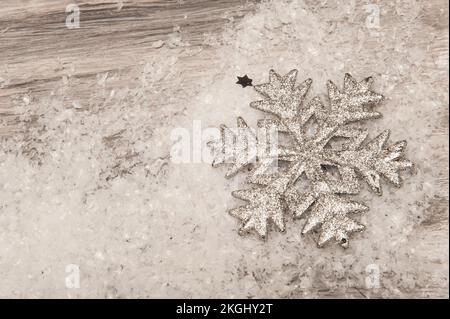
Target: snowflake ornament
x=336, y=142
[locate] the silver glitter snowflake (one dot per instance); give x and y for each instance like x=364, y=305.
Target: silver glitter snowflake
x=320, y=140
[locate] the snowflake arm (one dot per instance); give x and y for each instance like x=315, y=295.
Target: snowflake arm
x=329, y=213
x=265, y=203
x=236, y=147
x=282, y=97
x=351, y=104
x=374, y=160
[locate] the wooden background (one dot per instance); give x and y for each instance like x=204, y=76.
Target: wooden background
x=37, y=50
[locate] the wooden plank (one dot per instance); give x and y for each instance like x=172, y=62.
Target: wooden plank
x=37, y=49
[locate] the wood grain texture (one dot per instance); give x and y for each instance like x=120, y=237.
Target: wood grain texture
x=37, y=49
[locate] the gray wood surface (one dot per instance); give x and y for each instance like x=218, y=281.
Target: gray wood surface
x=37, y=49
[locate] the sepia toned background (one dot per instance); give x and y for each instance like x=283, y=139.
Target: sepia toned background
x=87, y=186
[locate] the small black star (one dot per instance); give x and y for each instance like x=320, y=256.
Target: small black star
x=244, y=81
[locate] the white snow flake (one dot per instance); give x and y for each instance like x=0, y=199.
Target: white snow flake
x=322, y=204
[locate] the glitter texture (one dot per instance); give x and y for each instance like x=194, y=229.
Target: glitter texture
x=336, y=142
